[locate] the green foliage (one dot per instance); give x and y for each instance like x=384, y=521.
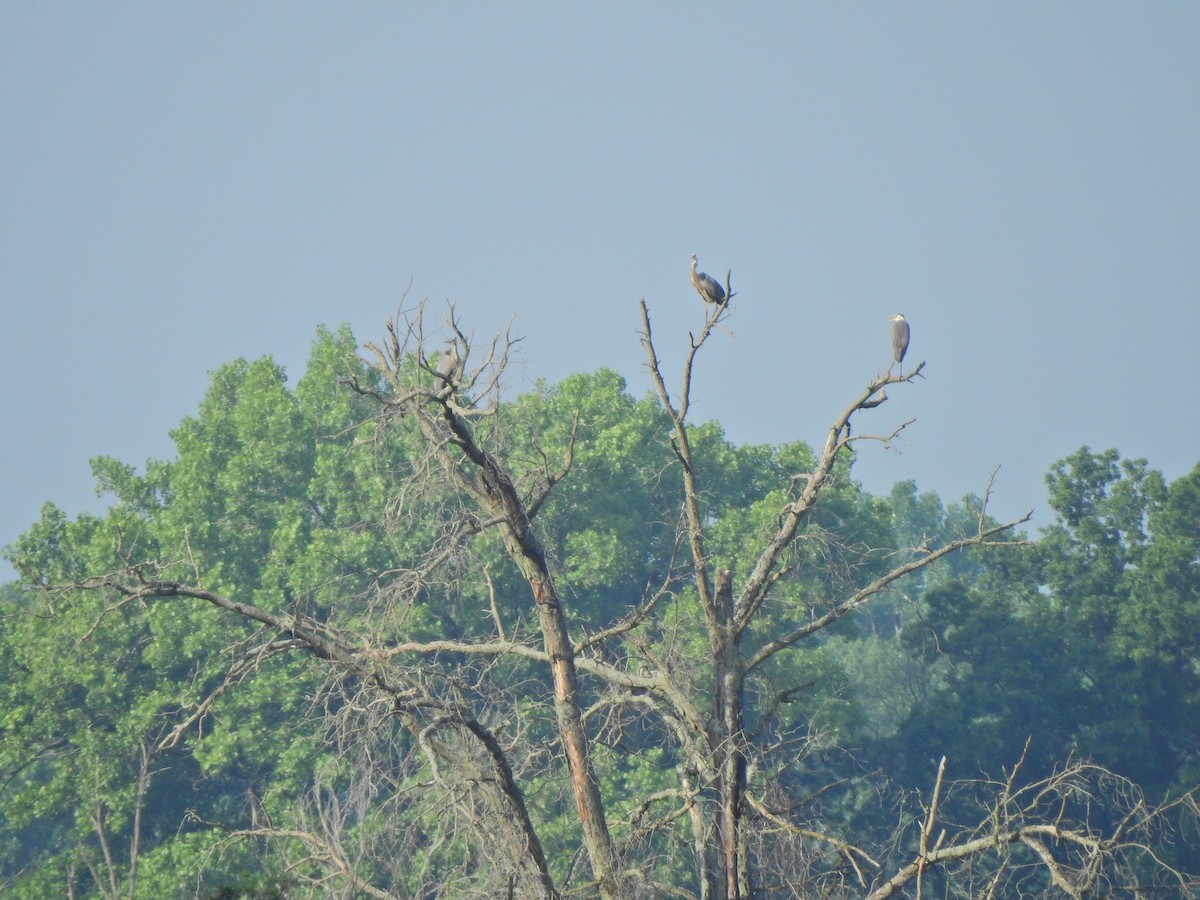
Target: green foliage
x=295, y=500
x=202, y=864
x=92, y=682
x=1083, y=643
x=612, y=521
x=1159, y=624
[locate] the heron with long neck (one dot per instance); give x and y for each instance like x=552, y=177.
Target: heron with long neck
x=707, y=286
x=900, y=334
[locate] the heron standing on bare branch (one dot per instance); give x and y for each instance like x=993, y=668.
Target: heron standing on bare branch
x=707, y=286
x=900, y=334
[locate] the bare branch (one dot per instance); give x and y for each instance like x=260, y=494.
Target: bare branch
x=1084, y=854
x=553, y=478
x=851, y=853
x=862, y=596
x=242, y=666
x=927, y=829
x=682, y=446
x=754, y=591
x=320, y=852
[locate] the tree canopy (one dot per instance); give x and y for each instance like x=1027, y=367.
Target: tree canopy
x=392, y=633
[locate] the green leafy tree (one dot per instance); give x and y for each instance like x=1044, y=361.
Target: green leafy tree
x=1082, y=644
x=1120, y=569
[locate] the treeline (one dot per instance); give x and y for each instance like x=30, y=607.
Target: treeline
x=298, y=659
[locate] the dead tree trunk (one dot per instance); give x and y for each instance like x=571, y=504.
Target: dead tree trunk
x=725, y=740
x=728, y=614
x=443, y=416
x=729, y=679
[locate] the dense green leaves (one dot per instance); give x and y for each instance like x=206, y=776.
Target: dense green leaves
x=1084, y=643
x=297, y=501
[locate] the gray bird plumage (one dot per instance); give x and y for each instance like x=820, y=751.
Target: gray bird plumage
x=447, y=364
x=707, y=286
x=900, y=334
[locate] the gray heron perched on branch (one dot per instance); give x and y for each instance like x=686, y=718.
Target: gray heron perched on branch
x=900, y=334
x=707, y=286
x=448, y=363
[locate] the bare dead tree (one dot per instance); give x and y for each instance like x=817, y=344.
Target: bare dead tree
x=1084, y=832
x=728, y=611
x=713, y=741
x=444, y=413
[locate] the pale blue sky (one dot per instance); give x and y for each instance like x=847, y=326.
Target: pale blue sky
x=182, y=184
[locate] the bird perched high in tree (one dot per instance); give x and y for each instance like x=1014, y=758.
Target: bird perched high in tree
x=449, y=363
x=900, y=334
x=707, y=286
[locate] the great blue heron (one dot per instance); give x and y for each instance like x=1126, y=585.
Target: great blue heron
x=448, y=363
x=707, y=286
x=899, y=340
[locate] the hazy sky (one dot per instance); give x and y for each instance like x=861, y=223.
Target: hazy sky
x=183, y=184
